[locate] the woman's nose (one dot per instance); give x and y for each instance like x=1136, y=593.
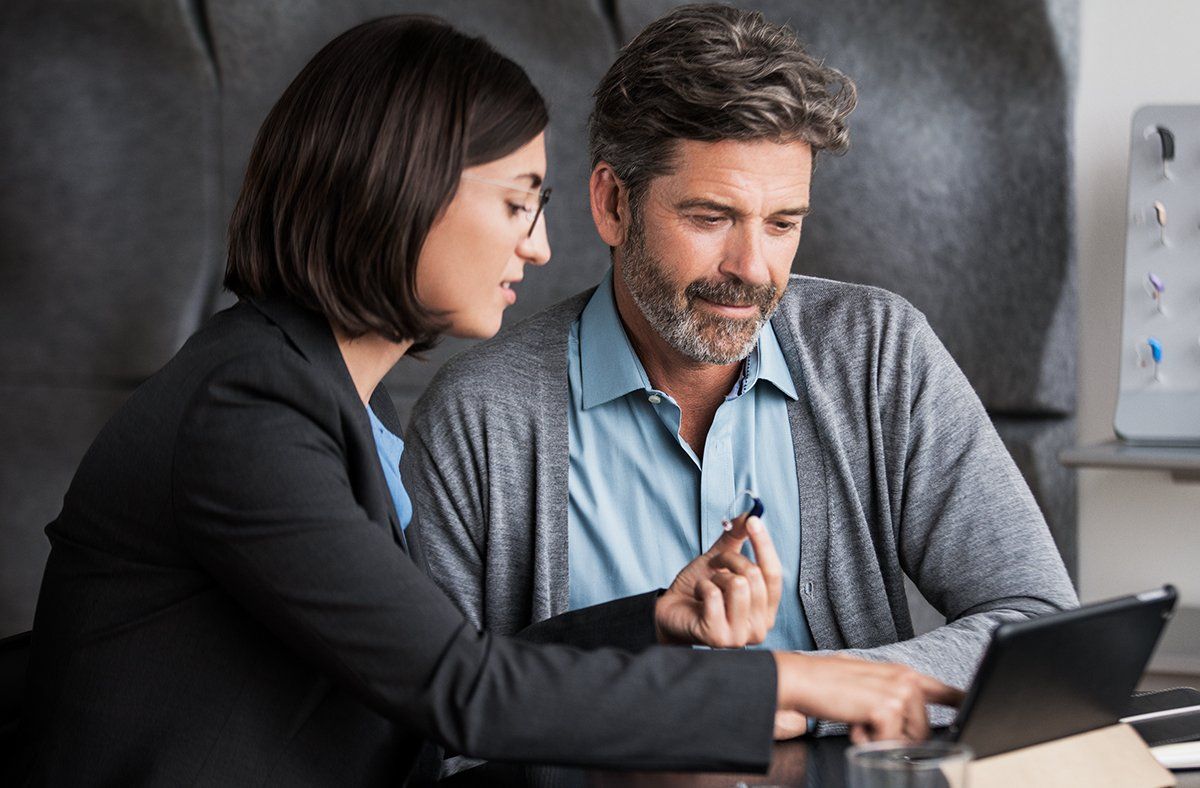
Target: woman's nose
x=535, y=248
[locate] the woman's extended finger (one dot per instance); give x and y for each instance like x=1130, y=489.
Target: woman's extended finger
x=887, y=720
x=939, y=693
x=916, y=722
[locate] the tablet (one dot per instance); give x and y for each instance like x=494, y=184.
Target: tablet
x=1061, y=674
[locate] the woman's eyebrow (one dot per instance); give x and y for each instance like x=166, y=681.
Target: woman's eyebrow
x=535, y=179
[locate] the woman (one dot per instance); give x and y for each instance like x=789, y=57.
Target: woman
x=229, y=597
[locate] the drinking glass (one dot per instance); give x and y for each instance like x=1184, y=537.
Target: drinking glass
x=896, y=764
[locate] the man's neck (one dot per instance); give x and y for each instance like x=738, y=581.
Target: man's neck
x=698, y=388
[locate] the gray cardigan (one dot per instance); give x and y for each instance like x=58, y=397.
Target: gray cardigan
x=899, y=469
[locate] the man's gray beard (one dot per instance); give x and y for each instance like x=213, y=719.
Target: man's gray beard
x=706, y=338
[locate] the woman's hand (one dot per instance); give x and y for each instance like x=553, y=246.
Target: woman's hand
x=879, y=700
x=723, y=599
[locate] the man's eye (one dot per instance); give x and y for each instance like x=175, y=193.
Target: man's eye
x=785, y=227
x=708, y=220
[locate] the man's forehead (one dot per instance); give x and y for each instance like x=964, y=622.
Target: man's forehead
x=761, y=166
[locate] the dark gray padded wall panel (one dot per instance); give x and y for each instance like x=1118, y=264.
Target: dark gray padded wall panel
x=108, y=208
x=565, y=45
x=956, y=190
x=1034, y=444
x=44, y=432
x=109, y=154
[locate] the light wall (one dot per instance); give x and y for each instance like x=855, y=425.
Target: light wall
x=1137, y=529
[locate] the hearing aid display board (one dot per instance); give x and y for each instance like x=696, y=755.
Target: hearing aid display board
x=1159, y=400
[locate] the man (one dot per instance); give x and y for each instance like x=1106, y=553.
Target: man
x=586, y=453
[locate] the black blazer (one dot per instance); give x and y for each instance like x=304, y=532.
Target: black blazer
x=228, y=601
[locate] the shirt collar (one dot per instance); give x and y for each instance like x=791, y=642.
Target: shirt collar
x=609, y=367
x=607, y=364
x=772, y=366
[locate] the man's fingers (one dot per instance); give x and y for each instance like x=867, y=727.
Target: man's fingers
x=731, y=541
x=789, y=724
x=736, y=563
x=761, y=616
x=737, y=605
x=767, y=559
x=739, y=564
x=712, y=601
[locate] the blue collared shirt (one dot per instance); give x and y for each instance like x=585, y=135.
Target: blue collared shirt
x=641, y=503
x=391, y=449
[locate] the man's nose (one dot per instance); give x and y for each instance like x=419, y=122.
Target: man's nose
x=745, y=256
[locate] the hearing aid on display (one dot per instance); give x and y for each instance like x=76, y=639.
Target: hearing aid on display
x=1160, y=216
x=1150, y=353
x=1167, y=140
x=1156, y=289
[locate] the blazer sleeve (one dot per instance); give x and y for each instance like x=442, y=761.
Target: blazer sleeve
x=262, y=498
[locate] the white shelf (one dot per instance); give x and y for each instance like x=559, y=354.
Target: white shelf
x=1182, y=462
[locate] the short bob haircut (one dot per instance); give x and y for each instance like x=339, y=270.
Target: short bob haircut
x=359, y=157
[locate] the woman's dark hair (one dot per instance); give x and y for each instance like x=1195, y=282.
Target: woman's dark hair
x=359, y=157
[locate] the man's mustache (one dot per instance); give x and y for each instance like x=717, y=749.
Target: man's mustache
x=732, y=293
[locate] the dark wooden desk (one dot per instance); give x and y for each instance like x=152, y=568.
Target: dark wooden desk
x=811, y=763
x=801, y=762
x=819, y=763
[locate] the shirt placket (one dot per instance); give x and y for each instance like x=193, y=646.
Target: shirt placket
x=717, y=474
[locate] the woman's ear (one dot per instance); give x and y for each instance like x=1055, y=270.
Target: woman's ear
x=610, y=205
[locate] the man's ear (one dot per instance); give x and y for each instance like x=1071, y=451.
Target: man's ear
x=610, y=205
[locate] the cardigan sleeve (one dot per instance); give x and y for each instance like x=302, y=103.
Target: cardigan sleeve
x=448, y=531
x=969, y=533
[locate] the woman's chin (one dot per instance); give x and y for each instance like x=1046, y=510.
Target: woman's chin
x=481, y=328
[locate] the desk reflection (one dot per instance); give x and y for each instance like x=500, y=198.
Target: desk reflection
x=805, y=763
x=800, y=762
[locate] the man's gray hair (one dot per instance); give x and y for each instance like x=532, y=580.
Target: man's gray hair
x=709, y=73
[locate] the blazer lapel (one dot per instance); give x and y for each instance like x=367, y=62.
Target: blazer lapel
x=385, y=409
x=310, y=333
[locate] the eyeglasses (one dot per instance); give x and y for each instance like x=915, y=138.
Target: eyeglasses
x=543, y=197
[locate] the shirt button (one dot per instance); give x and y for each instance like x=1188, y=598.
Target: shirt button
x=654, y=399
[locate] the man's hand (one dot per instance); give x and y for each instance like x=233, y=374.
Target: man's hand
x=723, y=599
x=789, y=724
x=879, y=700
